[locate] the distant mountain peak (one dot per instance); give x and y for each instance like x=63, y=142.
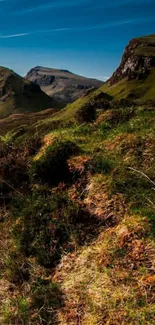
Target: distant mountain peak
x=67, y=71
x=61, y=84
x=39, y=67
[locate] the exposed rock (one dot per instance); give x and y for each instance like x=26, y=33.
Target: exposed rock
x=137, y=60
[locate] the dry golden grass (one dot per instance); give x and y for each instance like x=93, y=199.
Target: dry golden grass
x=99, y=202
x=111, y=281
x=47, y=141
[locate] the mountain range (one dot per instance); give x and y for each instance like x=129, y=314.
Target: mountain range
x=44, y=88
x=62, y=85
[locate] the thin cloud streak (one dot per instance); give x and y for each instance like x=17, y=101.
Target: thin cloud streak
x=56, y=4
x=100, y=26
x=87, y=28
x=14, y=35
x=119, y=3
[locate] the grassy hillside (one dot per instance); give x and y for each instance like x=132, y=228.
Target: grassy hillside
x=149, y=48
x=138, y=90
x=77, y=195
x=135, y=75
x=19, y=95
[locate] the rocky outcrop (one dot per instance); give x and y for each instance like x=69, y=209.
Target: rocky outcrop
x=136, y=62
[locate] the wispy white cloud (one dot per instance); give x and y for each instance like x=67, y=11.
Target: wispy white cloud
x=73, y=3
x=54, y=4
x=14, y=35
x=101, y=26
x=107, y=24
x=84, y=28
x=118, y=3
x=55, y=30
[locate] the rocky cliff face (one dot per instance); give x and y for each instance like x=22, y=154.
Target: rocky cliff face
x=61, y=85
x=137, y=60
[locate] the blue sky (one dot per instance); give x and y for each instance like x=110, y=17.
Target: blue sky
x=84, y=36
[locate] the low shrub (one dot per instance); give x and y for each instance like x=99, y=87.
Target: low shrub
x=101, y=164
x=52, y=166
x=49, y=222
x=46, y=224
x=123, y=103
x=86, y=114
x=14, y=165
x=13, y=169
x=48, y=295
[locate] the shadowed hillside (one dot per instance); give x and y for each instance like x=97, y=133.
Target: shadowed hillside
x=18, y=95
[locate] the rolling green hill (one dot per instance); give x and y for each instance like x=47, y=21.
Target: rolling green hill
x=19, y=95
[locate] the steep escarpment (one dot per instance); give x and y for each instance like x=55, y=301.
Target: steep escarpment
x=61, y=85
x=137, y=60
x=133, y=80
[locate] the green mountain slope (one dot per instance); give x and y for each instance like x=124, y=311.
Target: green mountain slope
x=148, y=48
x=19, y=95
x=135, y=77
x=138, y=90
